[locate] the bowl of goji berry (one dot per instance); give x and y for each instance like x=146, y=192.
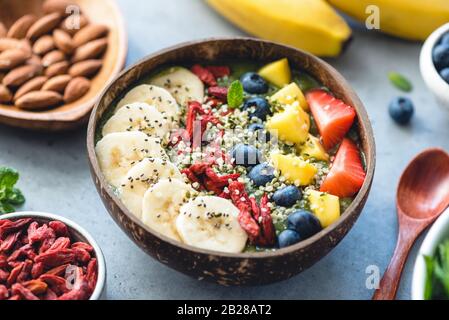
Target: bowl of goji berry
x=48, y=257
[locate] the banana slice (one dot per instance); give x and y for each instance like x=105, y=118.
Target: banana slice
x=161, y=205
x=118, y=152
x=154, y=96
x=141, y=177
x=211, y=223
x=138, y=116
x=182, y=84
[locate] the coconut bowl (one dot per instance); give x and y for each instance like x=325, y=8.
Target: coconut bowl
x=245, y=268
x=71, y=115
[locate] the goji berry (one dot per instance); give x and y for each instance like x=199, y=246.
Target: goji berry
x=9, y=241
x=56, y=283
x=42, y=233
x=92, y=273
x=50, y=295
x=18, y=289
x=219, y=71
x=14, y=274
x=60, y=243
x=205, y=75
x=81, y=255
x=25, y=272
x=58, y=271
x=84, y=246
x=9, y=226
x=37, y=270
x=219, y=93
x=37, y=287
x=3, y=275
x=60, y=228
x=3, y=292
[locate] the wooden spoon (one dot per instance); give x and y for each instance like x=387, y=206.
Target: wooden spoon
x=423, y=195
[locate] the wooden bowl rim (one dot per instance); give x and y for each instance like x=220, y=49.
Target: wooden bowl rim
x=79, y=111
x=361, y=112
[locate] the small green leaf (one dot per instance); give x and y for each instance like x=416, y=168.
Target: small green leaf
x=8, y=177
x=235, y=94
x=6, y=208
x=15, y=197
x=428, y=291
x=400, y=82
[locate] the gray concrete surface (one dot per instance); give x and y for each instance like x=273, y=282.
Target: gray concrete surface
x=55, y=176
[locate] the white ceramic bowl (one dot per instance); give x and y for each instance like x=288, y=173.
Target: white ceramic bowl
x=80, y=235
x=431, y=77
x=437, y=234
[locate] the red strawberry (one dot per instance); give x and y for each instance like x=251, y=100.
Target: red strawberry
x=205, y=75
x=333, y=117
x=347, y=175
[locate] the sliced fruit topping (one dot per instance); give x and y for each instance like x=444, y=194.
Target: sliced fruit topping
x=333, y=117
x=294, y=169
x=181, y=83
x=325, y=207
x=347, y=175
x=292, y=124
x=277, y=73
x=313, y=149
x=289, y=95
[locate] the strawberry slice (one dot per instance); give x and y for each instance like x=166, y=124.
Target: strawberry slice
x=333, y=117
x=347, y=175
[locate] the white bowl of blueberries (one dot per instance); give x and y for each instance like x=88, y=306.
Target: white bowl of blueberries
x=434, y=64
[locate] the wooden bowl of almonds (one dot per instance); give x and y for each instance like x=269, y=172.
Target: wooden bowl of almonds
x=56, y=56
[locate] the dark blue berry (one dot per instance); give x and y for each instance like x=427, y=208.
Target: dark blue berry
x=253, y=83
x=246, y=155
x=445, y=39
x=287, y=197
x=259, y=129
x=445, y=74
x=288, y=238
x=441, y=56
x=401, y=110
x=261, y=174
x=304, y=223
x=261, y=107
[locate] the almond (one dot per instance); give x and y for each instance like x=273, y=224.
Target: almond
x=63, y=41
x=31, y=85
x=76, y=88
x=44, y=45
x=35, y=60
x=59, y=6
x=8, y=43
x=39, y=100
x=74, y=23
x=85, y=68
x=43, y=25
x=52, y=57
x=89, y=33
x=3, y=30
x=57, y=69
x=12, y=58
x=57, y=84
x=20, y=28
x=5, y=94
x=90, y=50
x=20, y=75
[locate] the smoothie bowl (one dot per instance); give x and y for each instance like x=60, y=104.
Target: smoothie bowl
x=237, y=161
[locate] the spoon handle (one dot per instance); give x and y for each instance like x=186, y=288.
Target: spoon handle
x=389, y=284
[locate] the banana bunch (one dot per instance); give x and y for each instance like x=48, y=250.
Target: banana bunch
x=311, y=25
x=314, y=25
x=407, y=19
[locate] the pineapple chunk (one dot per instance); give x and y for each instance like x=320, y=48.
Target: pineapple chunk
x=290, y=94
x=292, y=124
x=294, y=169
x=313, y=149
x=278, y=73
x=326, y=207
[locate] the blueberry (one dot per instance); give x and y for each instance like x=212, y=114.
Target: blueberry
x=445, y=74
x=262, y=174
x=441, y=56
x=401, y=110
x=445, y=39
x=305, y=223
x=261, y=105
x=253, y=83
x=246, y=155
x=287, y=197
x=259, y=129
x=288, y=238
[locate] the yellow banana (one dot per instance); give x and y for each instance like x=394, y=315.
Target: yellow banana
x=408, y=19
x=311, y=25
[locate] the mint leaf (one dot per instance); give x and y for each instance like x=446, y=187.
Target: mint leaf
x=6, y=208
x=14, y=196
x=9, y=196
x=235, y=94
x=400, y=82
x=8, y=177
